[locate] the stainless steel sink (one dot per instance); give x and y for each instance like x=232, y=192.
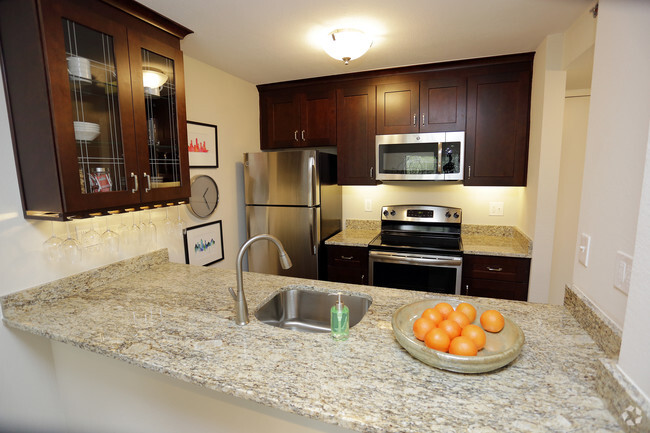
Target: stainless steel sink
x=308, y=310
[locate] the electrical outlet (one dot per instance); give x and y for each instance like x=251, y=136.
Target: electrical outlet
x=623, y=272
x=583, y=249
x=496, y=208
x=368, y=205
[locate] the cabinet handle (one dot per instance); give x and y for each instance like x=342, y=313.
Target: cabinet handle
x=493, y=269
x=295, y=135
x=346, y=257
x=415, y=117
x=363, y=279
x=423, y=120
x=148, y=188
x=466, y=289
x=302, y=135
x=469, y=171
x=135, y=188
x=372, y=172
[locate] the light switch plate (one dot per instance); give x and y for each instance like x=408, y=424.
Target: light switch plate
x=623, y=272
x=583, y=249
x=496, y=208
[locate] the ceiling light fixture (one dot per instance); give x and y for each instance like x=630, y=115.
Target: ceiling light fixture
x=347, y=44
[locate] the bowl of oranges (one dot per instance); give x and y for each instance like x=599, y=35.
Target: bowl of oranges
x=457, y=336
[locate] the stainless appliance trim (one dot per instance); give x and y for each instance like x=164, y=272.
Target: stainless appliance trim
x=430, y=137
x=438, y=261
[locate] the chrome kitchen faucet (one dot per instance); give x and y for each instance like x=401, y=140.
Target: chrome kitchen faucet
x=241, y=306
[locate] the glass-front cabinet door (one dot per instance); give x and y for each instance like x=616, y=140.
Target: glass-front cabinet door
x=92, y=108
x=160, y=122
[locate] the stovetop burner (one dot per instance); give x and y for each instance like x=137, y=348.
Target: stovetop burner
x=419, y=228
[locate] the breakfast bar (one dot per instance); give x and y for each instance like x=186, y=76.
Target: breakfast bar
x=177, y=320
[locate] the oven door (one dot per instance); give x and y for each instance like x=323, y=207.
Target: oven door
x=414, y=271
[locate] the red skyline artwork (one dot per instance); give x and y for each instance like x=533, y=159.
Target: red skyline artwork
x=197, y=146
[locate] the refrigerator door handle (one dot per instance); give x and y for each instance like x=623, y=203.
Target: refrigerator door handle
x=312, y=179
x=313, y=235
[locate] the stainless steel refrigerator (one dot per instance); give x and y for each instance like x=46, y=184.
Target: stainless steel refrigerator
x=292, y=195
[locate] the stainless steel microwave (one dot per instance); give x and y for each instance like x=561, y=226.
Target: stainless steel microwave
x=430, y=156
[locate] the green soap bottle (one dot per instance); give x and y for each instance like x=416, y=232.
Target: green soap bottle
x=340, y=320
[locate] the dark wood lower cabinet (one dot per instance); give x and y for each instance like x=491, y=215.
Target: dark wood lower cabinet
x=496, y=277
x=347, y=264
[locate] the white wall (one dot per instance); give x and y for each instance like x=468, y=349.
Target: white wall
x=616, y=147
x=475, y=201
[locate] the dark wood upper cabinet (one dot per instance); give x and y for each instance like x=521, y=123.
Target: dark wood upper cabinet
x=496, y=139
x=88, y=136
x=443, y=104
x=488, y=98
x=433, y=105
x=355, y=135
x=298, y=118
x=398, y=107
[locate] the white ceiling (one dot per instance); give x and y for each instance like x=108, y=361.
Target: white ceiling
x=270, y=41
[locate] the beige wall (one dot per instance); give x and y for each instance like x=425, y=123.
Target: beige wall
x=232, y=104
x=615, y=150
x=475, y=201
x=574, y=137
x=613, y=206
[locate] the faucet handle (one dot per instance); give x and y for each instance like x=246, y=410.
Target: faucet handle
x=232, y=293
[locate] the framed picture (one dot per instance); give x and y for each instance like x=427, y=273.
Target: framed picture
x=202, y=145
x=204, y=244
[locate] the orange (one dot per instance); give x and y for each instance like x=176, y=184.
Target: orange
x=463, y=346
x=433, y=314
x=444, y=308
x=421, y=326
x=450, y=327
x=437, y=339
x=459, y=318
x=492, y=321
x=468, y=310
x=476, y=334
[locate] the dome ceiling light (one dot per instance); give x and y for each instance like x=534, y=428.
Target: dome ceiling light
x=347, y=44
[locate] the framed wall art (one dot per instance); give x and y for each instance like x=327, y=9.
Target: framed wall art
x=203, y=244
x=202, y=145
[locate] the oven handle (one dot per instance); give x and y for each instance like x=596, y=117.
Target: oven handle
x=407, y=260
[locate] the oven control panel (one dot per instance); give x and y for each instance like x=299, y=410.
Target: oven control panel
x=421, y=213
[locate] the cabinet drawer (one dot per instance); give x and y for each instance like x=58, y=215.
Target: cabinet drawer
x=496, y=268
x=347, y=257
x=347, y=275
x=495, y=289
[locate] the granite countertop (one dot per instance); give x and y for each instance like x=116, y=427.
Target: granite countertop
x=177, y=319
x=506, y=241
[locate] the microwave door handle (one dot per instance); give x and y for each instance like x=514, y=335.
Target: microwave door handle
x=439, y=158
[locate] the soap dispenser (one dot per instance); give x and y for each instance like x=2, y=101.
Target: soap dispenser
x=340, y=320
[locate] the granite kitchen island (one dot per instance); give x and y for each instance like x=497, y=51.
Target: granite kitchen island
x=177, y=320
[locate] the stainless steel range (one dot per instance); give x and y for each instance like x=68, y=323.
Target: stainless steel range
x=419, y=248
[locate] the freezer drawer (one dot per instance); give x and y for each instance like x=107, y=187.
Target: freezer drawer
x=297, y=228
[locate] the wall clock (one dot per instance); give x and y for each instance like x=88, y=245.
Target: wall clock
x=205, y=196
